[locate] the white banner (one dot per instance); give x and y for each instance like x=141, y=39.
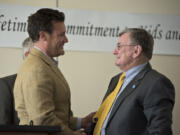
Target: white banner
x=92, y=30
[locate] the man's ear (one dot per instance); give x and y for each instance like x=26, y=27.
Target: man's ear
x=26, y=53
x=43, y=36
x=137, y=51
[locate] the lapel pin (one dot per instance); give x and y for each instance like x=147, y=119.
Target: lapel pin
x=133, y=86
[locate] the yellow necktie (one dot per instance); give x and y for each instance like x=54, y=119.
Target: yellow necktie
x=103, y=111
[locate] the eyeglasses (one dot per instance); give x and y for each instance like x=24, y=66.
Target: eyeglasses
x=119, y=46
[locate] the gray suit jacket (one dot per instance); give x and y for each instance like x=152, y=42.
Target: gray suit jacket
x=144, y=107
x=7, y=111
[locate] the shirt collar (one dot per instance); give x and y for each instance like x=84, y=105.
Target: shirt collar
x=53, y=60
x=135, y=70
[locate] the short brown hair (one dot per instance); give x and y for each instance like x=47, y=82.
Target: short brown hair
x=43, y=20
x=141, y=37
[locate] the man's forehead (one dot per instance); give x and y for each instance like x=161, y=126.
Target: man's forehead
x=59, y=26
x=124, y=38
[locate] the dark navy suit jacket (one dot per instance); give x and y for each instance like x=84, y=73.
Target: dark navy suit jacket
x=8, y=116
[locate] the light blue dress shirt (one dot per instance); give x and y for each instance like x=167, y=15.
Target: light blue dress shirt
x=129, y=75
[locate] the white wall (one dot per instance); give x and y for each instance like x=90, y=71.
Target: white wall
x=88, y=73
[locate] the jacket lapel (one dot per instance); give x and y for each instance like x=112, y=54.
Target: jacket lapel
x=128, y=90
x=47, y=60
